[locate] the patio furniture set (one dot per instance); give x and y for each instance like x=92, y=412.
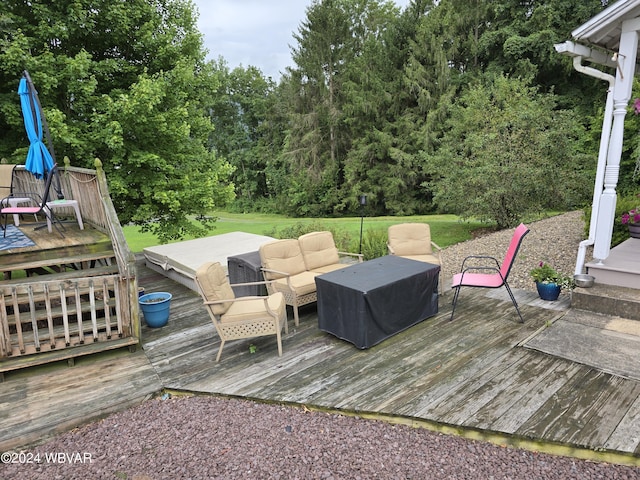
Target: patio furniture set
x=360, y=302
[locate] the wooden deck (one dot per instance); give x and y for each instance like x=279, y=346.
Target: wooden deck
x=471, y=377
x=74, y=292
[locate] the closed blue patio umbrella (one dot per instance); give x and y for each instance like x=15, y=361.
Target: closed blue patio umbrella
x=40, y=158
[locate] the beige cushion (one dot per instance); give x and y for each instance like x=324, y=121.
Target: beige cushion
x=423, y=258
x=282, y=255
x=410, y=239
x=329, y=268
x=214, y=285
x=301, y=284
x=318, y=250
x=254, y=309
x=6, y=173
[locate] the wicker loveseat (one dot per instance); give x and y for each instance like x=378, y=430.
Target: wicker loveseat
x=293, y=264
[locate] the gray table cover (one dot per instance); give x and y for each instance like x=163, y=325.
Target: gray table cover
x=371, y=301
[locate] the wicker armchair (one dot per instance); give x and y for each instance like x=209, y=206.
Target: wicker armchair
x=241, y=317
x=413, y=241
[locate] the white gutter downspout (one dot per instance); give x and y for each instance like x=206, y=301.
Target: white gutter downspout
x=602, y=156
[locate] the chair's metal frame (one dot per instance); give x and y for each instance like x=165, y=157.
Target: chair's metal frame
x=469, y=276
x=40, y=200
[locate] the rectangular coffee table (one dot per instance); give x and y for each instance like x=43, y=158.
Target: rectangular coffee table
x=371, y=301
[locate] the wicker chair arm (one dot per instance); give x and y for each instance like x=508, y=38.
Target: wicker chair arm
x=246, y=284
x=275, y=271
x=359, y=256
x=278, y=272
x=265, y=299
x=228, y=300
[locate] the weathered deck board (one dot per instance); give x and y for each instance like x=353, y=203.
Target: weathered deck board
x=472, y=373
x=626, y=436
x=36, y=404
x=539, y=378
x=569, y=416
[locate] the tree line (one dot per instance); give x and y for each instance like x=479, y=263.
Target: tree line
x=456, y=106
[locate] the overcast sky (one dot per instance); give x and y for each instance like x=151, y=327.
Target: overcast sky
x=253, y=32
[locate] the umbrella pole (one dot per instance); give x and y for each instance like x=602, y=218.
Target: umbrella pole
x=57, y=185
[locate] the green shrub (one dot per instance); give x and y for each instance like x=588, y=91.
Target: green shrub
x=341, y=238
x=374, y=243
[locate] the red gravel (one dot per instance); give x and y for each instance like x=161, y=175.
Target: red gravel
x=208, y=437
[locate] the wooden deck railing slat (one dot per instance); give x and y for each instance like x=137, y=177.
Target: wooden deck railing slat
x=85, y=292
x=71, y=260
x=59, y=332
x=49, y=316
x=74, y=333
x=5, y=338
x=65, y=315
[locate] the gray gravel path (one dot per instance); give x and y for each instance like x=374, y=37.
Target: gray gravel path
x=215, y=438
x=553, y=240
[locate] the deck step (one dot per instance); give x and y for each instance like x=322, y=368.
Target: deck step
x=65, y=275
x=77, y=259
x=621, y=267
x=16, y=363
x=609, y=300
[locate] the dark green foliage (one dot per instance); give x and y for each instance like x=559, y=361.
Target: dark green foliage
x=508, y=153
x=238, y=112
x=124, y=82
x=374, y=243
x=342, y=239
x=420, y=109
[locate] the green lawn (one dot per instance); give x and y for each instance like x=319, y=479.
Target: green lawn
x=445, y=229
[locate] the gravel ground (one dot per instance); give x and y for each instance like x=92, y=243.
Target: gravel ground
x=208, y=437
x=553, y=240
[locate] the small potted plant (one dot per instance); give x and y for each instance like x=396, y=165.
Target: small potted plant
x=631, y=219
x=550, y=282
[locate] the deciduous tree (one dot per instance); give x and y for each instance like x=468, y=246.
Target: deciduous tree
x=125, y=82
x=508, y=153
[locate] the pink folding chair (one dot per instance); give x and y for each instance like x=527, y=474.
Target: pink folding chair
x=475, y=276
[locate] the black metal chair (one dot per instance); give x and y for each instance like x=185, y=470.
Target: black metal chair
x=40, y=201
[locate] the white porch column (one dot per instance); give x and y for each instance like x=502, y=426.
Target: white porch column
x=621, y=96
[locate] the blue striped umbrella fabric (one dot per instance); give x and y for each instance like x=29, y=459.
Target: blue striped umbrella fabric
x=39, y=159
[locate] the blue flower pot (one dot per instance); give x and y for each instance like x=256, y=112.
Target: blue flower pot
x=155, y=308
x=548, y=291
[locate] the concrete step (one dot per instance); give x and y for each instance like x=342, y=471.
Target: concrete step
x=609, y=300
x=622, y=267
